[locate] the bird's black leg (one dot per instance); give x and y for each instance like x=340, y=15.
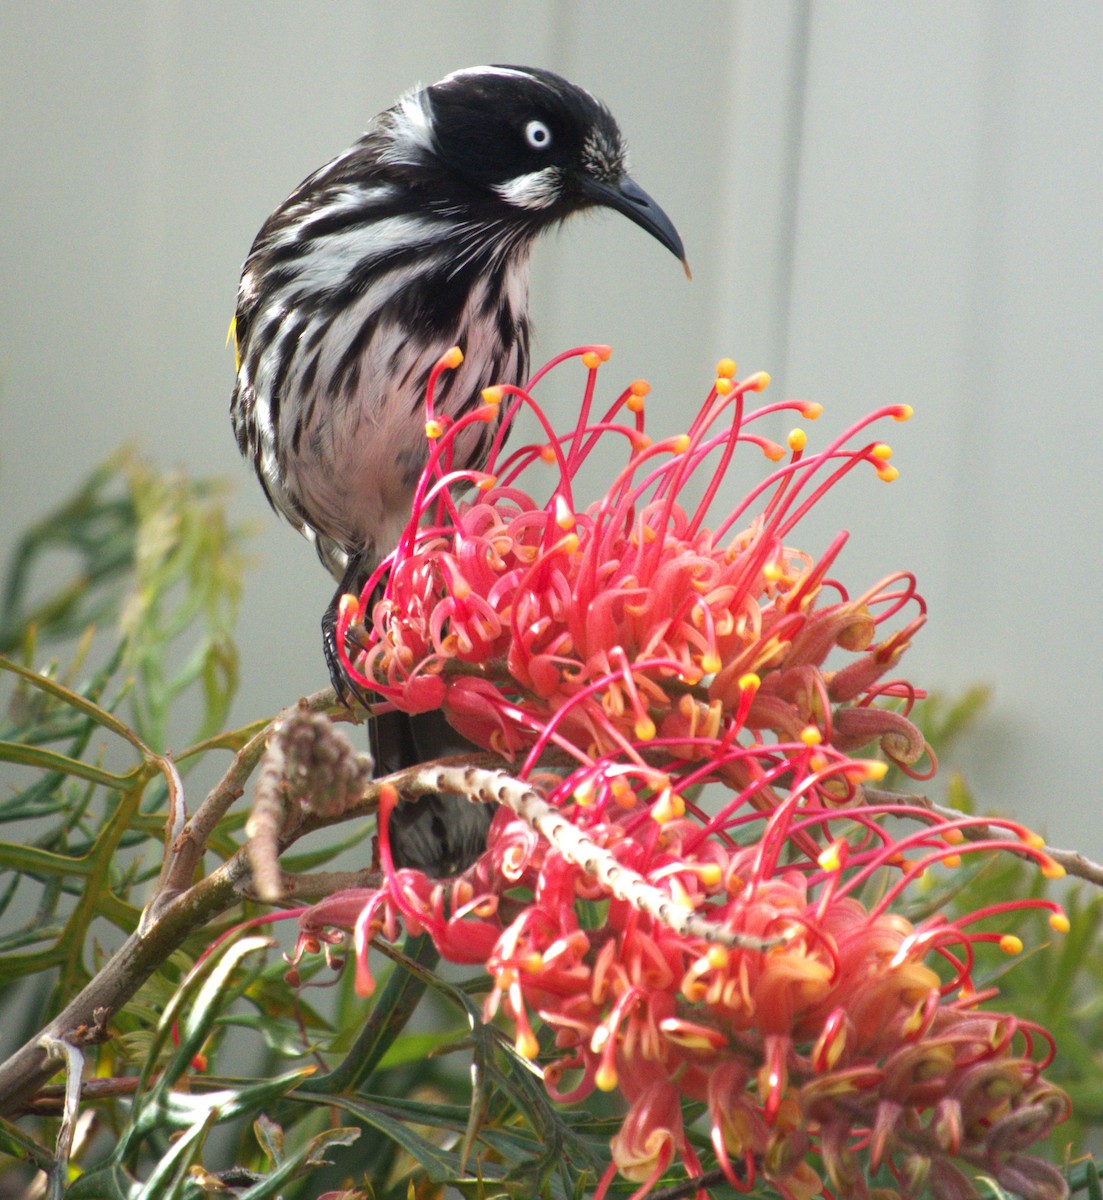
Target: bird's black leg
x=353, y=580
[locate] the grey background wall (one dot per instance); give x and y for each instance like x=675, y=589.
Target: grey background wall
x=881, y=202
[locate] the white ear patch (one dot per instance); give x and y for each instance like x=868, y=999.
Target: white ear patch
x=538, y=189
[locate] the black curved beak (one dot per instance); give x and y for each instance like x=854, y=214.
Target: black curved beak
x=627, y=197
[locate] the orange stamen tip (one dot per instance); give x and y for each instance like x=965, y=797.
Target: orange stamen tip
x=634, y=403
x=882, y=451
x=817, y=762
x=811, y=736
x=645, y=729
x=875, y=770
x=564, y=517
x=903, y=412
x=591, y=360
x=773, y=451
x=486, y=483
x=348, y=607
x=1034, y=840
x=749, y=682
x=526, y=1044
x=433, y=429
x=492, y=395
x=726, y=368
x=759, y=381
x=1052, y=869
x=797, y=440
x=680, y=444
x=452, y=358
x=605, y=1077
x=723, y=385
x=811, y=410
x=1059, y=922
x=952, y=861
x=888, y=474
x=953, y=837
x=772, y=572
x=547, y=454
x=568, y=545
x=1010, y=944
x=639, y=387
x=710, y=663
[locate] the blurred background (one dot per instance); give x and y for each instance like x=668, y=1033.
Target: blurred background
x=881, y=203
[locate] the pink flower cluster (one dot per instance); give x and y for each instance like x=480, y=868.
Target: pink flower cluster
x=675, y=691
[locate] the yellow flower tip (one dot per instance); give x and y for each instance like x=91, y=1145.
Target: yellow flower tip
x=772, y=450
x=797, y=440
x=831, y=859
x=811, y=410
x=433, y=429
x=952, y=861
x=724, y=386
x=1034, y=840
x=605, y=1078
x=645, y=729
x=623, y=793
x=1059, y=923
x=953, y=837
x=526, y=1044
x=452, y=358
x=882, y=451
x=486, y=483
x=710, y=662
x=709, y=874
x=749, y=682
x=591, y=360
x=680, y=444
x=668, y=807
x=564, y=517
x=718, y=957
x=888, y=474
x=584, y=793
x=903, y=412
x=772, y=572
x=492, y=395
x=817, y=762
x=759, y=381
x=532, y=962
x=547, y=454
x=568, y=545
x=634, y=403
x=725, y=368
x=1010, y=944
x=1052, y=869
x=875, y=770
x=811, y=736
x=347, y=607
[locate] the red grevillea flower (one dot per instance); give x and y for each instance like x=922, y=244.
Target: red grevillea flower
x=534, y=624
x=691, y=898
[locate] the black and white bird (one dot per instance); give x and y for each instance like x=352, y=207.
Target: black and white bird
x=415, y=239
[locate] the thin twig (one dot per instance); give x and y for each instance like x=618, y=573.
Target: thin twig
x=1073, y=861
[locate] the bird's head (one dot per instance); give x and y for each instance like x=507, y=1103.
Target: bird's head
x=534, y=146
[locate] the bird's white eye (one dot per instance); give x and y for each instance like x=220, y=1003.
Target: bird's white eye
x=538, y=135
